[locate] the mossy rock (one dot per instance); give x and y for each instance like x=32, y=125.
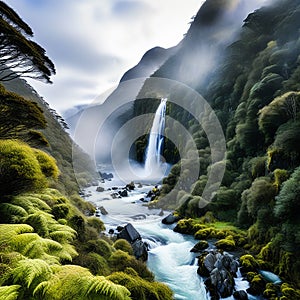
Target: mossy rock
x=271, y=291
x=205, y=233
x=201, y=245
x=227, y=244
x=188, y=226
x=257, y=285
x=202, y=270
x=289, y=292
x=248, y=263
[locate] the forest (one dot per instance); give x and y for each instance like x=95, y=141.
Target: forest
x=51, y=245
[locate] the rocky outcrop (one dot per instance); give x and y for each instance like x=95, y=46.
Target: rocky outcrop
x=220, y=270
x=131, y=235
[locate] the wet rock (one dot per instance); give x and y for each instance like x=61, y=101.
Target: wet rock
x=106, y=176
x=220, y=269
x=114, y=188
x=131, y=235
x=161, y=213
x=170, y=219
x=240, y=295
x=130, y=186
x=123, y=193
x=103, y=210
x=100, y=189
x=200, y=246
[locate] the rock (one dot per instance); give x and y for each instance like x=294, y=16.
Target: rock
x=170, y=219
x=106, y=176
x=123, y=193
x=240, y=295
x=161, y=213
x=257, y=285
x=100, y=189
x=220, y=270
x=115, y=195
x=131, y=235
x=130, y=186
x=103, y=210
x=120, y=228
x=140, y=250
x=139, y=217
x=200, y=246
x=139, y=185
x=114, y=188
x=111, y=231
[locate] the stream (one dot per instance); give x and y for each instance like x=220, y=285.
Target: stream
x=169, y=256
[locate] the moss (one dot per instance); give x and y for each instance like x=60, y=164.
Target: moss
x=204, y=233
x=257, y=285
x=227, y=244
x=271, y=291
x=289, y=292
x=188, y=226
x=248, y=263
x=123, y=245
x=201, y=245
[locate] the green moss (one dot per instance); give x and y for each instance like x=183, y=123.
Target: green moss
x=201, y=245
x=290, y=292
x=249, y=263
x=204, y=234
x=123, y=245
x=226, y=244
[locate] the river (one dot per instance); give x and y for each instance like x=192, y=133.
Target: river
x=169, y=257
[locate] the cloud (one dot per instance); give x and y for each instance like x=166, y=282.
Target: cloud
x=93, y=43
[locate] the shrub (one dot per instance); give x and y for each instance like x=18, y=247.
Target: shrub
x=20, y=169
x=123, y=245
x=47, y=164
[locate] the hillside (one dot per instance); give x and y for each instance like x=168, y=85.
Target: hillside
x=254, y=90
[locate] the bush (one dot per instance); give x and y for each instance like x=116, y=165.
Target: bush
x=123, y=245
x=20, y=169
x=47, y=164
x=60, y=211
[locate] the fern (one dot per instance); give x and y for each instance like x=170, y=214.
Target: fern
x=39, y=221
x=12, y=212
x=31, y=203
x=73, y=282
x=8, y=231
x=100, y=286
x=30, y=272
x=9, y=292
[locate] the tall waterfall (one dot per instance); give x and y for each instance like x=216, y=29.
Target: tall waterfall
x=153, y=163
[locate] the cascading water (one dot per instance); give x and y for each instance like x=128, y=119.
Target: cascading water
x=153, y=163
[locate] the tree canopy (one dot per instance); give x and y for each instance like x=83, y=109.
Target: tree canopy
x=19, y=55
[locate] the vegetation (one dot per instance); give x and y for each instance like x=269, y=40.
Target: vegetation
x=254, y=91
x=51, y=247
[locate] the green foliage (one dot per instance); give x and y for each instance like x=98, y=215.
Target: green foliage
x=74, y=282
x=9, y=292
x=19, y=117
x=20, y=53
x=99, y=246
x=47, y=164
x=20, y=170
x=141, y=289
x=60, y=211
x=123, y=245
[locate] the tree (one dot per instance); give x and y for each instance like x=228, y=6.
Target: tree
x=19, y=118
x=19, y=55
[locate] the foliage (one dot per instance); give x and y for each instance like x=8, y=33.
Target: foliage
x=123, y=245
x=18, y=52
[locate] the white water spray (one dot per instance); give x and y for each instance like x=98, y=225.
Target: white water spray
x=153, y=162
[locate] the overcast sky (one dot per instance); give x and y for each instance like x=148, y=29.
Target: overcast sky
x=93, y=42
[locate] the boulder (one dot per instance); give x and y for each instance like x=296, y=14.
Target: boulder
x=131, y=235
x=220, y=268
x=240, y=295
x=103, y=210
x=170, y=219
x=130, y=186
x=200, y=246
x=123, y=193
x=100, y=189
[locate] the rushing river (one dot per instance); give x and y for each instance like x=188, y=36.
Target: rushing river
x=169, y=257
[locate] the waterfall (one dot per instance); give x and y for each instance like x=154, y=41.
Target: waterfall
x=153, y=161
